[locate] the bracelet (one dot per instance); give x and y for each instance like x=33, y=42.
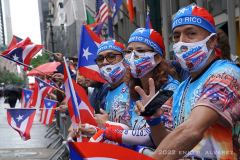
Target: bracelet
x=154, y=121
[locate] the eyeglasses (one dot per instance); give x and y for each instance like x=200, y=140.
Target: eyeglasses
x=125, y=52
x=110, y=57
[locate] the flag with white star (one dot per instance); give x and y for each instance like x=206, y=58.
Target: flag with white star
x=41, y=89
x=48, y=110
x=25, y=99
x=79, y=107
x=21, y=120
x=22, y=51
x=89, y=43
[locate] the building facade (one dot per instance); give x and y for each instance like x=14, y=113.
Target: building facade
x=6, y=36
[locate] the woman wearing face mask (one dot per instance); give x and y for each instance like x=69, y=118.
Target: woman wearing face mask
x=145, y=59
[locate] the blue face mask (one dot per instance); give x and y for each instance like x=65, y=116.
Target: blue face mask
x=113, y=73
x=192, y=56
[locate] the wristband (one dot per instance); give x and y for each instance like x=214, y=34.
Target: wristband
x=153, y=121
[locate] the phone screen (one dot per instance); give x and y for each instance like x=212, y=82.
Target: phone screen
x=156, y=102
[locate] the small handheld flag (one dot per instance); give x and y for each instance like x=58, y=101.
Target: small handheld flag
x=47, y=112
x=71, y=97
x=22, y=51
x=25, y=99
x=41, y=89
x=21, y=120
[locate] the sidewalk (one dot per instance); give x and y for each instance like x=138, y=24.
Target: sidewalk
x=13, y=147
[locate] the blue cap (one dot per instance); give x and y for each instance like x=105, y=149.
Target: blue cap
x=112, y=44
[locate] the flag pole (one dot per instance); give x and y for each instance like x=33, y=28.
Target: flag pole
x=47, y=51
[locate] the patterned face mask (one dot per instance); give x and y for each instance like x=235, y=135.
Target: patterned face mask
x=140, y=63
x=113, y=73
x=192, y=56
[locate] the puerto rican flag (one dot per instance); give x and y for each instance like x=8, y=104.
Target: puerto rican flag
x=148, y=22
x=84, y=107
x=71, y=97
x=89, y=43
x=41, y=89
x=48, y=110
x=79, y=106
x=21, y=120
x=22, y=51
x=25, y=99
x=102, y=151
x=51, y=83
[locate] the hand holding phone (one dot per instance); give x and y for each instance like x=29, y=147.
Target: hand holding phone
x=156, y=102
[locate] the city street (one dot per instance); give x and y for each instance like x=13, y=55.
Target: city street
x=13, y=147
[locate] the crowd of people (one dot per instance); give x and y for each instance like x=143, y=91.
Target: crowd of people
x=198, y=122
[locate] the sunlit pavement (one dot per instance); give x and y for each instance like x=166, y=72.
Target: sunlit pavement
x=13, y=147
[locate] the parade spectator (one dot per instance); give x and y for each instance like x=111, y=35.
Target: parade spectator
x=206, y=105
x=223, y=45
x=12, y=97
x=59, y=73
x=150, y=53
x=112, y=68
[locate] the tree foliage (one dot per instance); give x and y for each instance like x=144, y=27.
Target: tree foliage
x=9, y=77
x=39, y=60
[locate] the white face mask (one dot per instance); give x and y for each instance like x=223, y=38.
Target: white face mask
x=192, y=56
x=113, y=73
x=140, y=63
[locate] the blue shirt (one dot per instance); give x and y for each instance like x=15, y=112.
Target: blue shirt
x=217, y=88
x=117, y=105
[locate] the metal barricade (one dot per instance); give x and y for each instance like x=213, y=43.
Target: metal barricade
x=63, y=133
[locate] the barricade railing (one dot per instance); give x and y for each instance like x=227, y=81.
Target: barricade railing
x=65, y=123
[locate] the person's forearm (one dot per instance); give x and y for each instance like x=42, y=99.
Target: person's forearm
x=179, y=141
x=53, y=97
x=137, y=137
x=158, y=133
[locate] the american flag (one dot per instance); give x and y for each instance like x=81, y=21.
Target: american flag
x=101, y=13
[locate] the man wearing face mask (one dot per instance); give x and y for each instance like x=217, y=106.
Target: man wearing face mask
x=206, y=106
x=111, y=65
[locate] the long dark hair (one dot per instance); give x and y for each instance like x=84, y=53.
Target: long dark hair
x=160, y=77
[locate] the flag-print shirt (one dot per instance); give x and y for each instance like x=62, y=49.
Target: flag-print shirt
x=219, y=89
x=139, y=123
x=117, y=105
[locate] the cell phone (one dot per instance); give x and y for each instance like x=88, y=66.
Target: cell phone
x=97, y=108
x=156, y=102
